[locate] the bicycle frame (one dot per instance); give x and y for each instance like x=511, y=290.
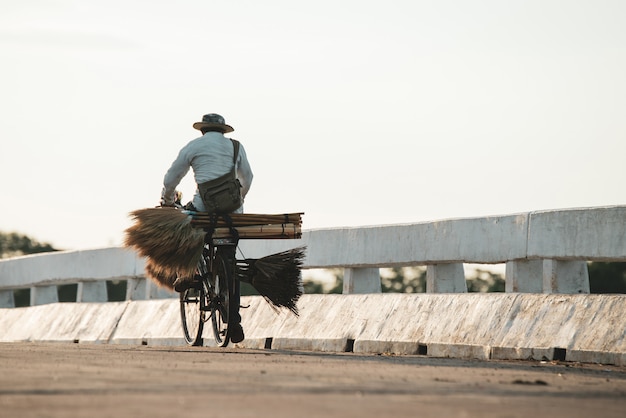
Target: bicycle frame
x=215, y=294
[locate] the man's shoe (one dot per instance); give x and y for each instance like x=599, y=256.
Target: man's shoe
x=236, y=333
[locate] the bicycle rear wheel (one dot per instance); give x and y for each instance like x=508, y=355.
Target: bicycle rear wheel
x=192, y=315
x=220, y=303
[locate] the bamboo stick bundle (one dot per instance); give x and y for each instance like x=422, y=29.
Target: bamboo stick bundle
x=202, y=219
x=282, y=231
x=254, y=218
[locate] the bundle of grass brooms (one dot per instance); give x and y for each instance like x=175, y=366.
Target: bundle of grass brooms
x=276, y=277
x=165, y=237
x=172, y=241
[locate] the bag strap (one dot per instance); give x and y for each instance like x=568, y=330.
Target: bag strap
x=236, y=153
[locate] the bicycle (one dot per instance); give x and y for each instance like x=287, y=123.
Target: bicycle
x=194, y=253
x=212, y=293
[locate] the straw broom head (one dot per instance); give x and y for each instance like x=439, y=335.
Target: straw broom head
x=163, y=276
x=165, y=235
x=276, y=277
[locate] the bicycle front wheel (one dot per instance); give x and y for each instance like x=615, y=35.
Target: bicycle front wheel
x=192, y=315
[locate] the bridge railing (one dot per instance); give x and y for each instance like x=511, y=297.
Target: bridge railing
x=544, y=252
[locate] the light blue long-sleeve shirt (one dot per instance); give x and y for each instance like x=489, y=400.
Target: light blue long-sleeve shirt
x=210, y=156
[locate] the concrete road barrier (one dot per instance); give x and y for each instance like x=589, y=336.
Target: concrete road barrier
x=583, y=328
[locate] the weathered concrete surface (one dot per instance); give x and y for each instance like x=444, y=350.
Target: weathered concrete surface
x=70, y=267
x=589, y=328
x=87, y=322
x=105, y=380
x=581, y=233
x=154, y=321
x=492, y=239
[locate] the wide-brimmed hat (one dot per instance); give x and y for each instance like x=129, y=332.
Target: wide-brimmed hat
x=215, y=121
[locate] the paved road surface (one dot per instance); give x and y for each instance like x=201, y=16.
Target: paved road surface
x=82, y=380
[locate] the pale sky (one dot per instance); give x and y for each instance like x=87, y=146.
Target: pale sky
x=354, y=112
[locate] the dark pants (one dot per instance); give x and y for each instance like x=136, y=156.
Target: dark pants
x=227, y=253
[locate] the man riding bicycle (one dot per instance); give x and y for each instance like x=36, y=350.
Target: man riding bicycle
x=212, y=157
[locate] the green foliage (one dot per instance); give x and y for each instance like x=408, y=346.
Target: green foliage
x=14, y=244
x=485, y=281
x=246, y=289
x=313, y=287
x=411, y=280
x=403, y=280
x=67, y=292
x=21, y=297
x=607, y=277
x=116, y=290
x=316, y=287
x=337, y=288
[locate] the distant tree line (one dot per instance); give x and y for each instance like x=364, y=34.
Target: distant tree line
x=13, y=244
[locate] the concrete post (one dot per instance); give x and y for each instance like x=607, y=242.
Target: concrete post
x=92, y=292
x=361, y=280
x=6, y=299
x=40, y=295
x=565, y=276
x=154, y=291
x=445, y=278
x=136, y=289
x=524, y=276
